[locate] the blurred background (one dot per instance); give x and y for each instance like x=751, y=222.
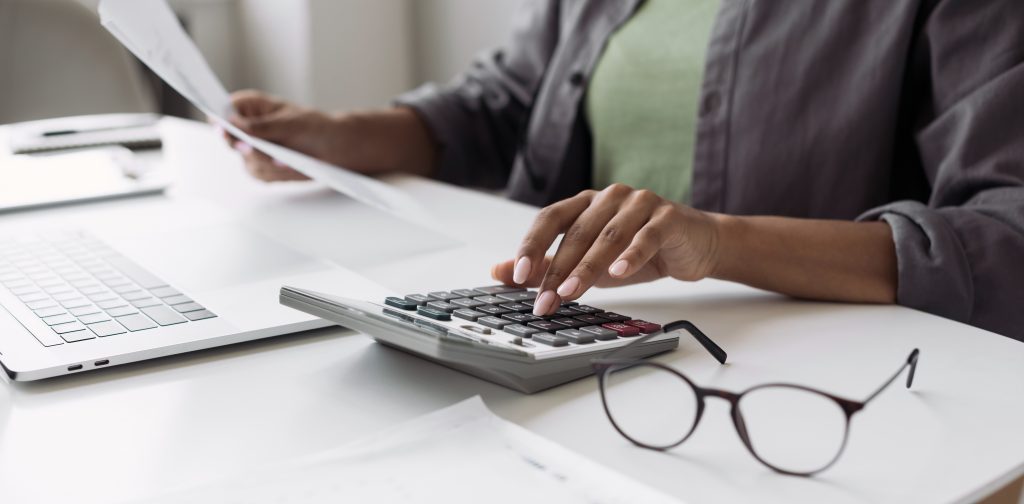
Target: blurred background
x=56, y=60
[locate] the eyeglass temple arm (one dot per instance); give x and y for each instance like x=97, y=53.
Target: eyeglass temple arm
x=912, y=362
x=712, y=347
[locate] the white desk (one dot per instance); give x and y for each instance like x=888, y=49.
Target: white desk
x=132, y=431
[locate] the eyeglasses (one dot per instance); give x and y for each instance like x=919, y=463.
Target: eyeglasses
x=792, y=429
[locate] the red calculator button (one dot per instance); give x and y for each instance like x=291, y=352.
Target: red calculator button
x=645, y=326
x=622, y=329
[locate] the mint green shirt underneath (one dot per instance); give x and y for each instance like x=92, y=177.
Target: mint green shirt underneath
x=642, y=99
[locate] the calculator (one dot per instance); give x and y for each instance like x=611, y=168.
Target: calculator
x=490, y=332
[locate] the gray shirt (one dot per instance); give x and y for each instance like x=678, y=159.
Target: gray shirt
x=910, y=111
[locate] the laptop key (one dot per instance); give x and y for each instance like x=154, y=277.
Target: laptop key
x=84, y=310
x=121, y=311
x=200, y=315
x=93, y=318
x=135, y=272
x=179, y=299
x=162, y=292
x=63, y=318
x=191, y=307
x=68, y=327
x=136, y=322
x=49, y=312
x=163, y=315
x=146, y=302
x=135, y=296
x=111, y=303
x=42, y=303
x=108, y=328
x=35, y=296
x=80, y=335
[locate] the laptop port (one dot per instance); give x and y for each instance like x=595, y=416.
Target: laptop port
x=103, y=362
x=76, y=367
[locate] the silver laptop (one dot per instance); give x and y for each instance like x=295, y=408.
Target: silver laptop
x=75, y=300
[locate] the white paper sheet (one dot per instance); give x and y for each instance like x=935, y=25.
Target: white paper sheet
x=460, y=454
x=149, y=29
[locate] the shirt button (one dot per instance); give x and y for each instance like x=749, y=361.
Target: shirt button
x=576, y=78
x=711, y=102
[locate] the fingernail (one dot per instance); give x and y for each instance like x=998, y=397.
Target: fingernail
x=243, y=147
x=544, y=303
x=568, y=287
x=279, y=164
x=522, y=270
x=619, y=268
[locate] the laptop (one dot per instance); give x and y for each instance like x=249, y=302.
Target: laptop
x=154, y=281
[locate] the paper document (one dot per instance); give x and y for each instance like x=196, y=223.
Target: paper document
x=460, y=454
x=150, y=30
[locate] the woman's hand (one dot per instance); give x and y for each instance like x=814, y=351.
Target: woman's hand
x=616, y=236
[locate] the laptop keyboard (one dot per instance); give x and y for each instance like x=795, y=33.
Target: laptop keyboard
x=83, y=289
x=503, y=309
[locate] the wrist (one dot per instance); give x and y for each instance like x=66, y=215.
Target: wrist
x=728, y=234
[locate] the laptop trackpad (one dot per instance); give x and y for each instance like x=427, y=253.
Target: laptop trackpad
x=206, y=258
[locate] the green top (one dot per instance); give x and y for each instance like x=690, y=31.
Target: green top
x=643, y=96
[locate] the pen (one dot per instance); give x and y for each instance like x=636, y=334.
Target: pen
x=65, y=132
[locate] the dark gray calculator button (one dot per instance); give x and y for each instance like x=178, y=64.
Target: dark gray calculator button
x=569, y=322
x=489, y=299
x=442, y=296
x=576, y=336
x=467, y=302
x=565, y=311
x=494, y=290
x=521, y=330
x=591, y=319
x=467, y=314
x=419, y=299
x=520, y=318
x=492, y=310
x=615, y=317
x=494, y=322
x=398, y=302
x=546, y=325
x=550, y=339
x=442, y=306
x=600, y=333
x=517, y=296
x=587, y=309
x=467, y=293
x=516, y=307
x=435, y=314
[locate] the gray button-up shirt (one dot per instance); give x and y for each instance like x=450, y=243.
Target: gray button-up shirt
x=911, y=111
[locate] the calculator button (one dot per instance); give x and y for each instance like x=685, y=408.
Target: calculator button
x=494, y=290
x=591, y=319
x=518, y=296
x=565, y=311
x=644, y=326
x=550, y=339
x=436, y=314
x=442, y=306
x=443, y=296
x=520, y=318
x=489, y=299
x=600, y=333
x=467, y=293
x=516, y=307
x=494, y=322
x=467, y=302
x=615, y=317
x=587, y=309
x=576, y=336
x=467, y=314
x=623, y=330
x=401, y=303
x=492, y=310
x=569, y=322
x=419, y=299
x=521, y=330
x=546, y=325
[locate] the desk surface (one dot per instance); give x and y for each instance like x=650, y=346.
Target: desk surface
x=132, y=431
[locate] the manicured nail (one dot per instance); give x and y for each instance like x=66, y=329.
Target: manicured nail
x=279, y=164
x=619, y=268
x=545, y=301
x=568, y=287
x=522, y=270
x=243, y=147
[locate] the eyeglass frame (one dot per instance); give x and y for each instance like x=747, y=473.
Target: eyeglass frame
x=603, y=367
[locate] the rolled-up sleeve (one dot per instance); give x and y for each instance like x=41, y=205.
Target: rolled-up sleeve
x=961, y=255
x=478, y=119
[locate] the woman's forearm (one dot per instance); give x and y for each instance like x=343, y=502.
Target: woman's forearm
x=392, y=140
x=813, y=259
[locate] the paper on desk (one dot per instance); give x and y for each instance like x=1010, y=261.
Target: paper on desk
x=149, y=29
x=462, y=453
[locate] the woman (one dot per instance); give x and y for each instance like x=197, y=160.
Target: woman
x=850, y=150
